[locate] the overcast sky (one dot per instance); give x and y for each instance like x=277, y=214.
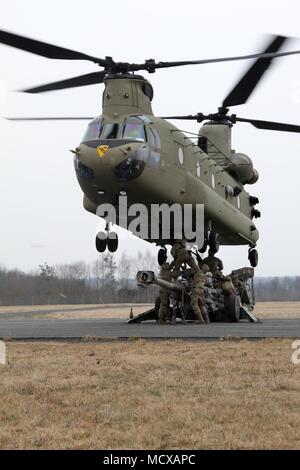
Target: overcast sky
x=42, y=218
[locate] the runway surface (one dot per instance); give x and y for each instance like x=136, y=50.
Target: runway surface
x=120, y=329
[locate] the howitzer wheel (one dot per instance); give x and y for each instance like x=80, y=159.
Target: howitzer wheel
x=232, y=307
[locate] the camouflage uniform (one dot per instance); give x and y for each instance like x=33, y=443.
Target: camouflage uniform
x=181, y=256
x=167, y=275
x=197, y=295
x=215, y=264
x=227, y=285
x=238, y=284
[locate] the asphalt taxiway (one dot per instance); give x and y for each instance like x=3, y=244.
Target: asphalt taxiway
x=118, y=328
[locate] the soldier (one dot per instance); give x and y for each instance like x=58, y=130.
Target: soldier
x=215, y=264
x=227, y=285
x=167, y=275
x=238, y=284
x=181, y=256
x=197, y=294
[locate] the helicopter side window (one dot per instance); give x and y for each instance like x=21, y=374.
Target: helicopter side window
x=110, y=131
x=154, y=160
x=213, y=181
x=180, y=155
x=134, y=129
x=93, y=131
x=153, y=137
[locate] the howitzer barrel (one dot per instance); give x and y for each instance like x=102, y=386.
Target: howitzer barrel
x=148, y=277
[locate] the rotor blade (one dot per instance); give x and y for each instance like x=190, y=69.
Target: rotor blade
x=44, y=49
x=189, y=117
x=81, y=80
x=268, y=55
x=270, y=125
x=49, y=118
x=245, y=86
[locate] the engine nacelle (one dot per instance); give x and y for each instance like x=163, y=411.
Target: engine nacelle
x=242, y=169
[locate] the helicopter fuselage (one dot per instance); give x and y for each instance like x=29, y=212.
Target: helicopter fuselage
x=127, y=150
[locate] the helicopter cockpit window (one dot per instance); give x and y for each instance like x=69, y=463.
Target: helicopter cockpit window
x=134, y=129
x=94, y=130
x=110, y=131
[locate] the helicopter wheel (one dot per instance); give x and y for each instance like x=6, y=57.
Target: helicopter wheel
x=214, y=242
x=253, y=257
x=112, y=242
x=101, y=242
x=162, y=256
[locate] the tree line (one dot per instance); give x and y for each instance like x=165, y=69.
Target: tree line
x=105, y=280
x=283, y=288
x=108, y=280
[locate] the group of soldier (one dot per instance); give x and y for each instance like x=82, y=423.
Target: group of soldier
x=198, y=270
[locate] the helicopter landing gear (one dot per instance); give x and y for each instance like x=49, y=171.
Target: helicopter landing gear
x=162, y=256
x=112, y=242
x=214, y=242
x=108, y=240
x=253, y=257
x=101, y=242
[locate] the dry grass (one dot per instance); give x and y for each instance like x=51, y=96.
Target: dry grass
x=138, y=394
x=277, y=309
x=109, y=311
x=78, y=311
x=31, y=308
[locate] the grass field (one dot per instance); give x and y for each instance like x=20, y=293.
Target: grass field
x=150, y=395
x=262, y=310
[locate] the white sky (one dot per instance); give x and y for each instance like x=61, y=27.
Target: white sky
x=42, y=218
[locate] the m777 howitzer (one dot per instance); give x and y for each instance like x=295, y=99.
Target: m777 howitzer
x=148, y=277
x=221, y=305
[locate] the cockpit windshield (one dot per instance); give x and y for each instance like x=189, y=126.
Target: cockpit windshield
x=94, y=130
x=110, y=131
x=99, y=129
x=134, y=129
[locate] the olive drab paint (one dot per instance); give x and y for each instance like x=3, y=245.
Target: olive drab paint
x=183, y=172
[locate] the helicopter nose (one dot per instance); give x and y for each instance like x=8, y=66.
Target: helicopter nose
x=122, y=163
x=133, y=162
x=115, y=163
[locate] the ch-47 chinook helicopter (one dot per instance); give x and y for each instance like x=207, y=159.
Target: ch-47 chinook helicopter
x=128, y=150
